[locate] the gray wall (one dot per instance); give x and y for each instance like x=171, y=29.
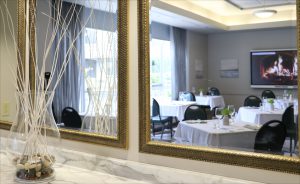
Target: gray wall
x=196, y=60
x=42, y=28
x=237, y=45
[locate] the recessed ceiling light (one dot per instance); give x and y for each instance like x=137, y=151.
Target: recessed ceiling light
x=264, y=13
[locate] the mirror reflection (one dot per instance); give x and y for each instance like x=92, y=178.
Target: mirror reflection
x=224, y=74
x=85, y=37
x=8, y=60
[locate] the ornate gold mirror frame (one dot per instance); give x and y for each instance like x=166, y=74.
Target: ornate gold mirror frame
x=121, y=141
x=246, y=159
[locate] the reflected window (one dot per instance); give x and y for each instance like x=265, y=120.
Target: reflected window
x=99, y=67
x=160, y=68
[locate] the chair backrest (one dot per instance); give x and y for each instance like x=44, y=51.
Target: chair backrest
x=288, y=118
x=213, y=91
x=252, y=101
x=189, y=96
x=155, y=108
x=194, y=112
x=268, y=94
x=71, y=118
x=270, y=137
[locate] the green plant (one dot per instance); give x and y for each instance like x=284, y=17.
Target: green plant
x=225, y=112
x=201, y=89
x=270, y=100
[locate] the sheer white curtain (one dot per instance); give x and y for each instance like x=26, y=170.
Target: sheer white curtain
x=178, y=56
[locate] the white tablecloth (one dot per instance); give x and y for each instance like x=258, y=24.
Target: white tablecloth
x=236, y=135
x=257, y=116
x=174, y=108
x=212, y=101
x=282, y=104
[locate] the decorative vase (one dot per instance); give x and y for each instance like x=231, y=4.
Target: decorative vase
x=225, y=120
x=34, y=138
x=201, y=93
x=270, y=106
x=290, y=97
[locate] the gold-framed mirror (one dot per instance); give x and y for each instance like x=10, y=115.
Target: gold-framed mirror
x=191, y=20
x=89, y=40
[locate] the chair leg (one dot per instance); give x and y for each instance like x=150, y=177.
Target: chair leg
x=291, y=145
x=171, y=127
x=153, y=129
x=162, y=132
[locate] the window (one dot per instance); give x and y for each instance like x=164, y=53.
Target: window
x=160, y=68
x=100, y=70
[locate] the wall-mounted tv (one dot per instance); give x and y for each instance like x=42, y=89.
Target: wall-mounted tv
x=274, y=68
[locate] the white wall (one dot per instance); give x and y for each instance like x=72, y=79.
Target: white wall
x=133, y=154
x=237, y=45
x=8, y=61
x=197, y=58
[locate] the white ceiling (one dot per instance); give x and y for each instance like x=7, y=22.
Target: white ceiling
x=249, y=4
x=221, y=15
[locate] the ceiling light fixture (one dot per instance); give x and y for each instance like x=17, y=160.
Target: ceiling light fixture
x=264, y=13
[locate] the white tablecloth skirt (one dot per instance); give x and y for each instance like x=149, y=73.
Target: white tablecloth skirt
x=207, y=135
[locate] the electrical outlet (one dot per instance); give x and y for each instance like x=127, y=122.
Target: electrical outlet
x=5, y=109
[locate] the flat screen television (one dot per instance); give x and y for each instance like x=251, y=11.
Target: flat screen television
x=274, y=68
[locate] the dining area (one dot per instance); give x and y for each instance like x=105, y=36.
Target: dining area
x=267, y=124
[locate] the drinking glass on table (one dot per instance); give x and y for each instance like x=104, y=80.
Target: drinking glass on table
x=218, y=114
x=231, y=111
x=180, y=95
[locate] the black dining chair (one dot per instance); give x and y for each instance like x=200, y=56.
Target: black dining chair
x=71, y=118
x=252, y=101
x=268, y=94
x=188, y=96
x=160, y=123
x=270, y=137
x=213, y=91
x=194, y=112
x=291, y=128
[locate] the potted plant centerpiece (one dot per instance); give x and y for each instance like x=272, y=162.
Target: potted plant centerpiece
x=270, y=104
x=201, y=91
x=225, y=112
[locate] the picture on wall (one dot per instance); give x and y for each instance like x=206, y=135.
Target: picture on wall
x=229, y=68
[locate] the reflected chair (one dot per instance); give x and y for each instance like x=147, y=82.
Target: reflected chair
x=291, y=128
x=252, y=101
x=71, y=118
x=213, y=91
x=160, y=123
x=270, y=137
x=189, y=96
x=194, y=112
x=268, y=94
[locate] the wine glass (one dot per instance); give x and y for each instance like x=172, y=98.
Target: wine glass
x=180, y=95
x=218, y=114
x=231, y=111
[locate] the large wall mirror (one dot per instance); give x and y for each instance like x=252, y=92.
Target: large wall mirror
x=83, y=45
x=218, y=81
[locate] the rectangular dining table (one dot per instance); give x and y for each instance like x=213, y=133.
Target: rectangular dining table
x=205, y=133
x=212, y=101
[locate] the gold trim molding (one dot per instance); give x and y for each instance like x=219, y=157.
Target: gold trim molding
x=121, y=141
x=239, y=158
